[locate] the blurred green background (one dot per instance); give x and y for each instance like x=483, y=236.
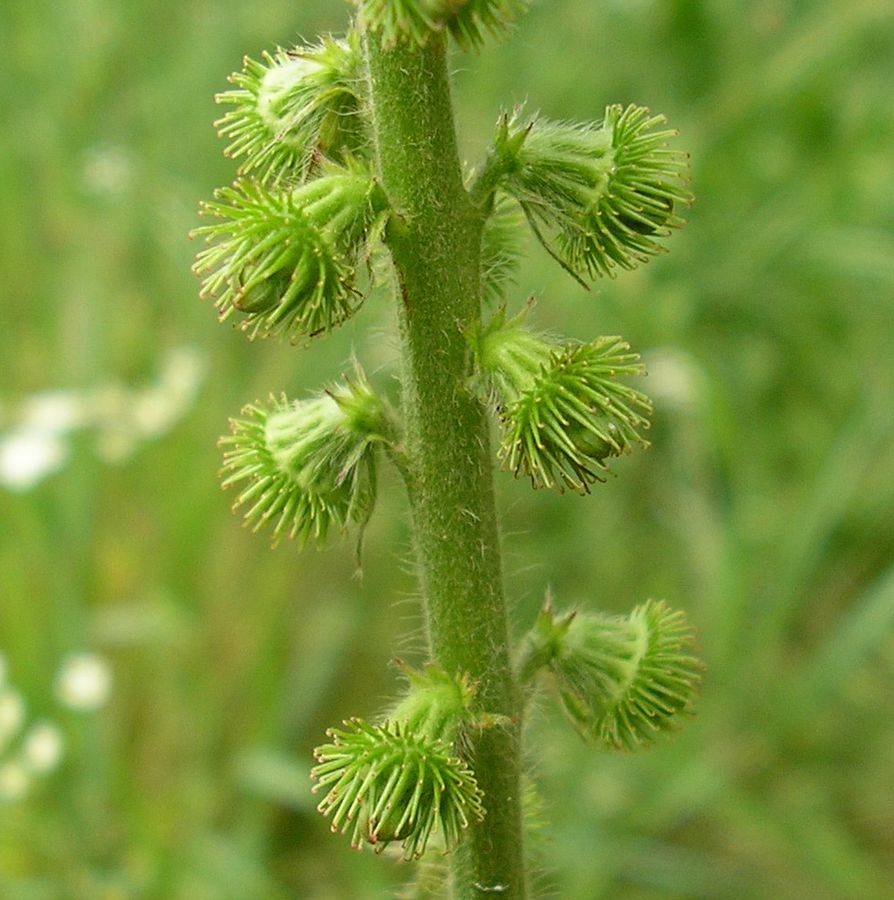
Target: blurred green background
x=765, y=507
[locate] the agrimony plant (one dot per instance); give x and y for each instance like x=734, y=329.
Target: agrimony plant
x=347, y=150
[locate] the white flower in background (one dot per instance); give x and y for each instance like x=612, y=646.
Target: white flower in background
x=152, y=413
x=14, y=781
x=37, y=442
x=53, y=412
x=124, y=418
x=157, y=408
x=42, y=748
x=115, y=438
x=30, y=751
x=675, y=379
x=27, y=457
x=84, y=682
x=107, y=170
x=35, y=447
x=182, y=373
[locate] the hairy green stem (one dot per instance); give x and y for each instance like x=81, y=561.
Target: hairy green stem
x=436, y=252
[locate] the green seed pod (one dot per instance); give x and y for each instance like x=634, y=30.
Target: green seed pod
x=403, y=781
x=660, y=208
x=621, y=680
x=608, y=192
x=261, y=296
x=308, y=466
x=563, y=411
x=468, y=22
x=285, y=259
x=294, y=108
x=385, y=784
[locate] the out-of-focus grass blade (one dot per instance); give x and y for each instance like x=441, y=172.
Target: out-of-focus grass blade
x=218, y=866
x=797, y=846
x=853, y=252
x=29, y=888
x=832, y=492
x=680, y=871
x=284, y=780
x=868, y=624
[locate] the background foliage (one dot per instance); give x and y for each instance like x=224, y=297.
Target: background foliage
x=764, y=507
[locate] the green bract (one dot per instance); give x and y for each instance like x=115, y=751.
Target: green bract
x=435, y=703
x=285, y=259
x=468, y=21
x=622, y=680
x=307, y=466
x=292, y=108
x=563, y=411
x=610, y=191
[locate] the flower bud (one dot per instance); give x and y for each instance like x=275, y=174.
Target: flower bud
x=293, y=107
x=564, y=414
x=307, y=466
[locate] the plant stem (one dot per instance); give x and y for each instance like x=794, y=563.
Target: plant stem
x=436, y=252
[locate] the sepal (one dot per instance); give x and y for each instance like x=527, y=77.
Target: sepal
x=621, y=680
x=469, y=22
x=292, y=108
x=306, y=467
x=609, y=192
x=562, y=409
x=285, y=259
